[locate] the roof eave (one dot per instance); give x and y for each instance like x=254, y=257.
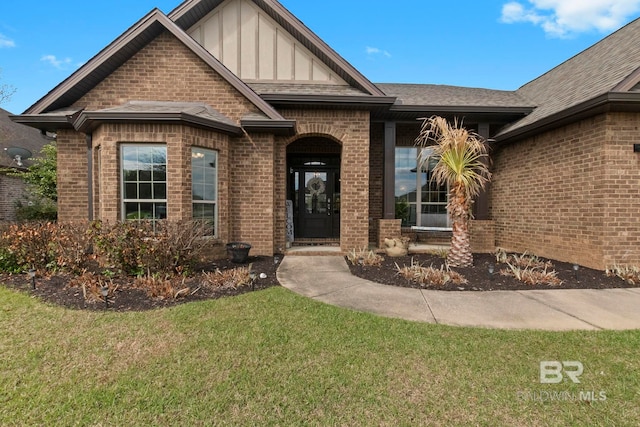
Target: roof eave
x=88, y=121
x=276, y=127
x=608, y=102
x=462, y=109
x=43, y=122
x=329, y=100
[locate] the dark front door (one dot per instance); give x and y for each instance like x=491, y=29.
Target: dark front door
x=317, y=202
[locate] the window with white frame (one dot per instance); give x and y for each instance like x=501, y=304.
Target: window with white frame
x=420, y=201
x=144, y=181
x=204, y=185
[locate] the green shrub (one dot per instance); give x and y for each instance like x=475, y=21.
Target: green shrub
x=136, y=247
x=36, y=209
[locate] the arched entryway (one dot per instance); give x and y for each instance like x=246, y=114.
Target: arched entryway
x=313, y=186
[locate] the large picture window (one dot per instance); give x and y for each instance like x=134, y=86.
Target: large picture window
x=144, y=182
x=420, y=201
x=204, y=172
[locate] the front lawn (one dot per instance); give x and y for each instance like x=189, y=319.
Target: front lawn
x=275, y=358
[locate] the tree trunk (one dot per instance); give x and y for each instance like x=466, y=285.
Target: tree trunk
x=459, y=208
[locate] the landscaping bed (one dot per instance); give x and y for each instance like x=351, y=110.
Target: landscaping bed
x=126, y=296
x=478, y=277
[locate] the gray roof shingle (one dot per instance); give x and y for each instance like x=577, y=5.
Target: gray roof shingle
x=197, y=109
x=305, y=89
x=452, y=96
x=592, y=73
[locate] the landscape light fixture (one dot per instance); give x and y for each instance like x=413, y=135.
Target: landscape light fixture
x=32, y=275
x=491, y=269
x=104, y=291
x=576, y=267
x=252, y=276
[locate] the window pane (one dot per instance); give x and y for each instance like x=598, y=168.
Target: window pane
x=160, y=210
x=197, y=191
x=131, y=191
x=159, y=173
x=204, y=184
x=159, y=191
x=144, y=176
x=145, y=191
x=146, y=211
x=131, y=211
x=209, y=192
x=406, y=173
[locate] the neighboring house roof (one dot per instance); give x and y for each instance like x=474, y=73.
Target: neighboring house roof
x=602, y=74
x=19, y=136
x=118, y=52
x=191, y=11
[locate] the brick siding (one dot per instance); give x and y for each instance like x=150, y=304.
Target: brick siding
x=12, y=189
x=571, y=194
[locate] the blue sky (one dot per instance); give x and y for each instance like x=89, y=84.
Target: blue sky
x=497, y=44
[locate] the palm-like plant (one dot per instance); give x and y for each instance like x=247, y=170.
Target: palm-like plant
x=463, y=166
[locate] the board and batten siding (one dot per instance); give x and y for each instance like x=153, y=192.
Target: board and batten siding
x=255, y=47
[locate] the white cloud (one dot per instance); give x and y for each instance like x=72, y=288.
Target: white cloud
x=371, y=51
x=564, y=18
x=60, y=64
x=6, y=42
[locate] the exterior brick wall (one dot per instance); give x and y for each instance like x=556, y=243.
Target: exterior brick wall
x=72, y=176
x=548, y=194
x=483, y=236
x=621, y=191
x=252, y=193
x=11, y=189
x=166, y=70
x=388, y=229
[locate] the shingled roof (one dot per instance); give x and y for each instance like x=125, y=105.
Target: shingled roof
x=453, y=96
x=605, y=70
x=19, y=136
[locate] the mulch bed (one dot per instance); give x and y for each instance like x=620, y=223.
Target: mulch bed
x=54, y=289
x=479, y=278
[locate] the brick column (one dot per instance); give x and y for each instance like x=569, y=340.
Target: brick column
x=388, y=229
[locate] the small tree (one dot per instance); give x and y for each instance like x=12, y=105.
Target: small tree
x=6, y=91
x=463, y=167
x=41, y=179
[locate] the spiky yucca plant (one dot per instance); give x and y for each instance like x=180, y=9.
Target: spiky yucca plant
x=463, y=165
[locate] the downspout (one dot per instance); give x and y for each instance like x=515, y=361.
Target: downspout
x=89, y=139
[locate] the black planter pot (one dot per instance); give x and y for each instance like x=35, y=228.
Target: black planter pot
x=238, y=251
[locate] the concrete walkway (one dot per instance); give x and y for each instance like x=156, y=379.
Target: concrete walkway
x=327, y=279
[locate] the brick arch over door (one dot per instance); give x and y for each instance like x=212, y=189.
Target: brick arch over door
x=320, y=130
